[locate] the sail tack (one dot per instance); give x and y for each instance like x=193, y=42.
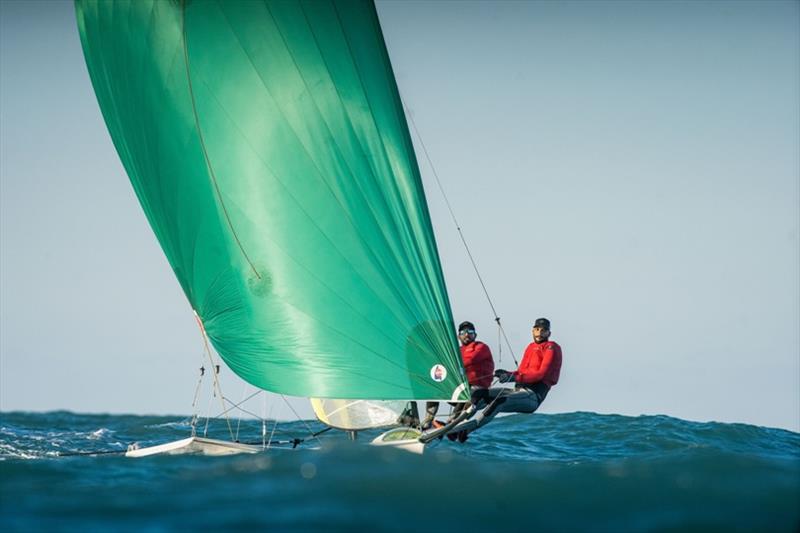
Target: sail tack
x=268, y=148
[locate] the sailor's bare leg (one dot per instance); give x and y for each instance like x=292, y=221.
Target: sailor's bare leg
x=410, y=416
x=431, y=408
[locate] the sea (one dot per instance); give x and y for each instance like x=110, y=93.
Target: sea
x=63, y=471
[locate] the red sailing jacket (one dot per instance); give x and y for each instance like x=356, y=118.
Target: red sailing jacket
x=478, y=363
x=541, y=362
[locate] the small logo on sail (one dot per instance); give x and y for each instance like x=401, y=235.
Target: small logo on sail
x=438, y=373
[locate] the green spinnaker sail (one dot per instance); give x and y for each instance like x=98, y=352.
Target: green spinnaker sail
x=268, y=147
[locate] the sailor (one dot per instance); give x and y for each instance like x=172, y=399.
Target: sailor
x=479, y=366
x=537, y=373
x=540, y=367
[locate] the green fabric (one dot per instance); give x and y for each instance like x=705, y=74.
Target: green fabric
x=267, y=145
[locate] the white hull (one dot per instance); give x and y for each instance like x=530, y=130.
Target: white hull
x=194, y=445
x=406, y=439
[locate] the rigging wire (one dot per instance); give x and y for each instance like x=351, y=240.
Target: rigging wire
x=499, y=347
x=264, y=444
x=238, y=405
x=274, y=427
x=293, y=442
x=239, y=421
x=215, y=374
x=208, y=410
x=460, y=232
x=303, y=421
x=242, y=410
x=195, y=413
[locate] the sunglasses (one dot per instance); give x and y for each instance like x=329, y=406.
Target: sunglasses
x=465, y=331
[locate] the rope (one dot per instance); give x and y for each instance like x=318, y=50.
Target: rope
x=314, y=435
x=460, y=233
x=237, y=405
x=195, y=414
x=239, y=421
x=264, y=424
x=243, y=410
x=208, y=410
x=500, y=347
x=293, y=442
x=267, y=443
x=274, y=427
x=214, y=369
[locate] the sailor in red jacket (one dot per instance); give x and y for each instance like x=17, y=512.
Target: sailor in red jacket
x=476, y=356
x=479, y=366
x=540, y=366
x=537, y=373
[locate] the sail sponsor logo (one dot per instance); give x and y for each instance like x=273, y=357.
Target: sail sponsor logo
x=438, y=373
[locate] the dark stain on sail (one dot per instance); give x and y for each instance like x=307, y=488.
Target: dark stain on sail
x=260, y=284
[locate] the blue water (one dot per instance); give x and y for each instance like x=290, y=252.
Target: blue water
x=566, y=472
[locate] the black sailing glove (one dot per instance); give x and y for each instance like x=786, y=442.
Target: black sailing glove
x=503, y=376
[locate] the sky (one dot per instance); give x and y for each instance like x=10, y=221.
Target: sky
x=629, y=170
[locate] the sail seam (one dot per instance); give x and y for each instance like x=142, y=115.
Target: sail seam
x=420, y=378
x=423, y=280
x=404, y=229
x=212, y=175
x=411, y=241
x=309, y=271
x=442, y=306
x=394, y=288
x=322, y=233
x=398, y=257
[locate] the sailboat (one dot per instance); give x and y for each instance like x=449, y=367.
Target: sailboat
x=267, y=144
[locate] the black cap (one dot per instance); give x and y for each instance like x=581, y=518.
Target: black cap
x=542, y=323
x=466, y=325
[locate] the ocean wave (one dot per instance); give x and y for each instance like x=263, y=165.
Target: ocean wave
x=575, y=471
